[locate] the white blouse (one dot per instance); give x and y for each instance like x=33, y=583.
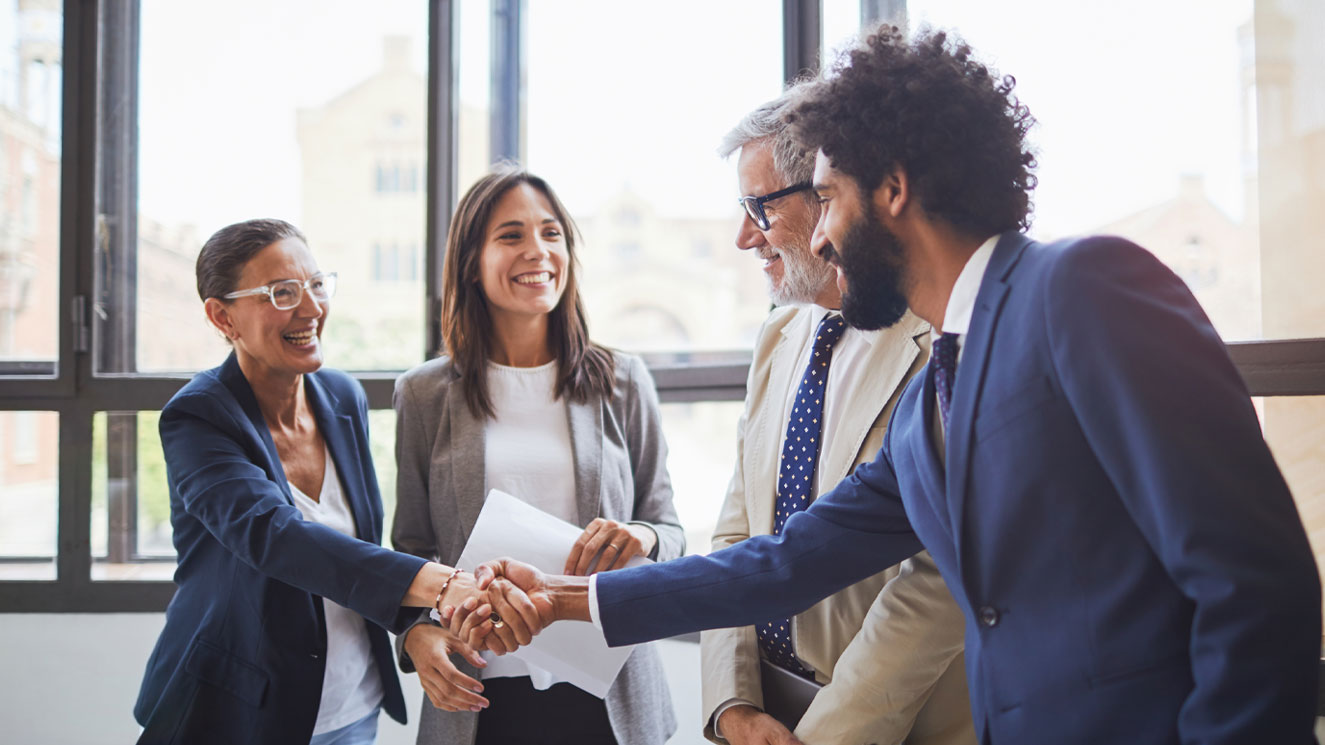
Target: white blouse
x=527, y=453
x=352, y=686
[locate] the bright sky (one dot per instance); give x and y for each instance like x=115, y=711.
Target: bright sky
x=1130, y=95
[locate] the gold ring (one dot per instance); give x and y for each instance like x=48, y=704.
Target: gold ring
x=497, y=623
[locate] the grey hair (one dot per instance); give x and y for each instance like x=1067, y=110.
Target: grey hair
x=791, y=161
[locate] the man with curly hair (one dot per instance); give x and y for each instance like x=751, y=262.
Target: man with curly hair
x=1080, y=456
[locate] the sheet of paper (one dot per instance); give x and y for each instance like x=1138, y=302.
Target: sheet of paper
x=573, y=650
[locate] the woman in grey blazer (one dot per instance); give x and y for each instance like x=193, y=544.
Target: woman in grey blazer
x=525, y=402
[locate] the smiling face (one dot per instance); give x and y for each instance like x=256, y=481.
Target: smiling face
x=275, y=342
x=869, y=258
x=794, y=274
x=524, y=262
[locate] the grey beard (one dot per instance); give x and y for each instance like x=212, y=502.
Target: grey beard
x=803, y=278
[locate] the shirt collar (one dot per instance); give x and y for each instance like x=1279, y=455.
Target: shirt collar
x=961, y=303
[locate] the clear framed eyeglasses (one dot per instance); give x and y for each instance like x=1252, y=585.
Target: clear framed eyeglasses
x=288, y=293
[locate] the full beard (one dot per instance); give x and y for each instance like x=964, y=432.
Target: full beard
x=871, y=260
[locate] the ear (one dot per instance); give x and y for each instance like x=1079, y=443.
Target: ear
x=894, y=193
x=218, y=313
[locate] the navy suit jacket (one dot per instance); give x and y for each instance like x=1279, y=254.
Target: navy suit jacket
x=1128, y=557
x=243, y=651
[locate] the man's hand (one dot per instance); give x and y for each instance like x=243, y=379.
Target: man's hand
x=746, y=725
x=549, y=597
x=516, y=583
x=448, y=689
x=613, y=544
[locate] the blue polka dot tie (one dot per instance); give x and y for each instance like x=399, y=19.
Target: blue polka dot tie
x=945, y=372
x=800, y=455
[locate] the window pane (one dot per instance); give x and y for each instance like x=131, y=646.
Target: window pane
x=1215, y=182
x=701, y=444
x=131, y=531
x=625, y=128
x=475, y=93
x=840, y=24
x=31, y=35
x=1295, y=428
x=29, y=462
x=324, y=126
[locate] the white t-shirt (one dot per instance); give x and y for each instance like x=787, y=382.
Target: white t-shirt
x=527, y=453
x=352, y=686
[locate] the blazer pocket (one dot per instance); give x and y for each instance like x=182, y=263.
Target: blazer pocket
x=1013, y=406
x=213, y=665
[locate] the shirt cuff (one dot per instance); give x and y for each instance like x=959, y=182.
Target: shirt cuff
x=593, y=602
x=722, y=709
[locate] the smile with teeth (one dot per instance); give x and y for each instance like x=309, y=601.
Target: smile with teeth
x=534, y=278
x=300, y=338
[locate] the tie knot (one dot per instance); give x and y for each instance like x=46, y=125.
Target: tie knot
x=831, y=329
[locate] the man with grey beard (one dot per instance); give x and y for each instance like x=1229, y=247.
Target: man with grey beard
x=887, y=650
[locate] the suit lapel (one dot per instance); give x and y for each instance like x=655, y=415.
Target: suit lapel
x=971, y=372
x=586, y=436
x=468, y=467
x=892, y=351
x=772, y=426
x=337, y=429
x=233, y=377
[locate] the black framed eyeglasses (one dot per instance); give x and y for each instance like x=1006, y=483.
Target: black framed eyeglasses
x=754, y=206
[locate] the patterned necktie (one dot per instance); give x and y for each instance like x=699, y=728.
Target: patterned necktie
x=945, y=372
x=800, y=455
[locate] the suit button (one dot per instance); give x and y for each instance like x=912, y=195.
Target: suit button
x=989, y=616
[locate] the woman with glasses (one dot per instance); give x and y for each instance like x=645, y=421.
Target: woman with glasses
x=276, y=633
x=524, y=402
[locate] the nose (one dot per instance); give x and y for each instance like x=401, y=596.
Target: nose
x=818, y=239
x=538, y=248
x=748, y=235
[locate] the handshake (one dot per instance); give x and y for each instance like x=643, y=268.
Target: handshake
x=505, y=604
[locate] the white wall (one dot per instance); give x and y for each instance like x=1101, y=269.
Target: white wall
x=71, y=679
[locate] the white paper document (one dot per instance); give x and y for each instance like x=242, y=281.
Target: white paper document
x=572, y=650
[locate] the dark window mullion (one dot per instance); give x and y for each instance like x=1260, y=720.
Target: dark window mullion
x=116, y=252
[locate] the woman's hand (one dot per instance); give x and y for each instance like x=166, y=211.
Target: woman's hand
x=448, y=689
x=617, y=542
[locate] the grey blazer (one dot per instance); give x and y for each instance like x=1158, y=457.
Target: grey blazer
x=620, y=474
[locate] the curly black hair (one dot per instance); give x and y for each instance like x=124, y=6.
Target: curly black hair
x=949, y=122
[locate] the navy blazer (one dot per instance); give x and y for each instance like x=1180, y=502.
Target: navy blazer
x=1127, y=555
x=242, y=654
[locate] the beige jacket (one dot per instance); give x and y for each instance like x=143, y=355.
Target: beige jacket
x=899, y=677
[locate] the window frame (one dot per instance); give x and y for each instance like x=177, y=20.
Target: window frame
x=98, y=182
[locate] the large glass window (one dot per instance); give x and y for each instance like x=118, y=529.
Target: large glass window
x=29, y=458
x=316, y=115
x=625, y=128
x=1186, y=131
x=31, y=69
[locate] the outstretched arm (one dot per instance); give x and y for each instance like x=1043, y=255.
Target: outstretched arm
x=854, y=531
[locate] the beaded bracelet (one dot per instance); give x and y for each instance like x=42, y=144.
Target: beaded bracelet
x=437, y=604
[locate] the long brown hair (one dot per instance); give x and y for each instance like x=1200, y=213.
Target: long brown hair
x=584, y=369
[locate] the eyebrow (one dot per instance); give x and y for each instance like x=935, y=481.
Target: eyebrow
x=318, y=273
x=520, y=224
